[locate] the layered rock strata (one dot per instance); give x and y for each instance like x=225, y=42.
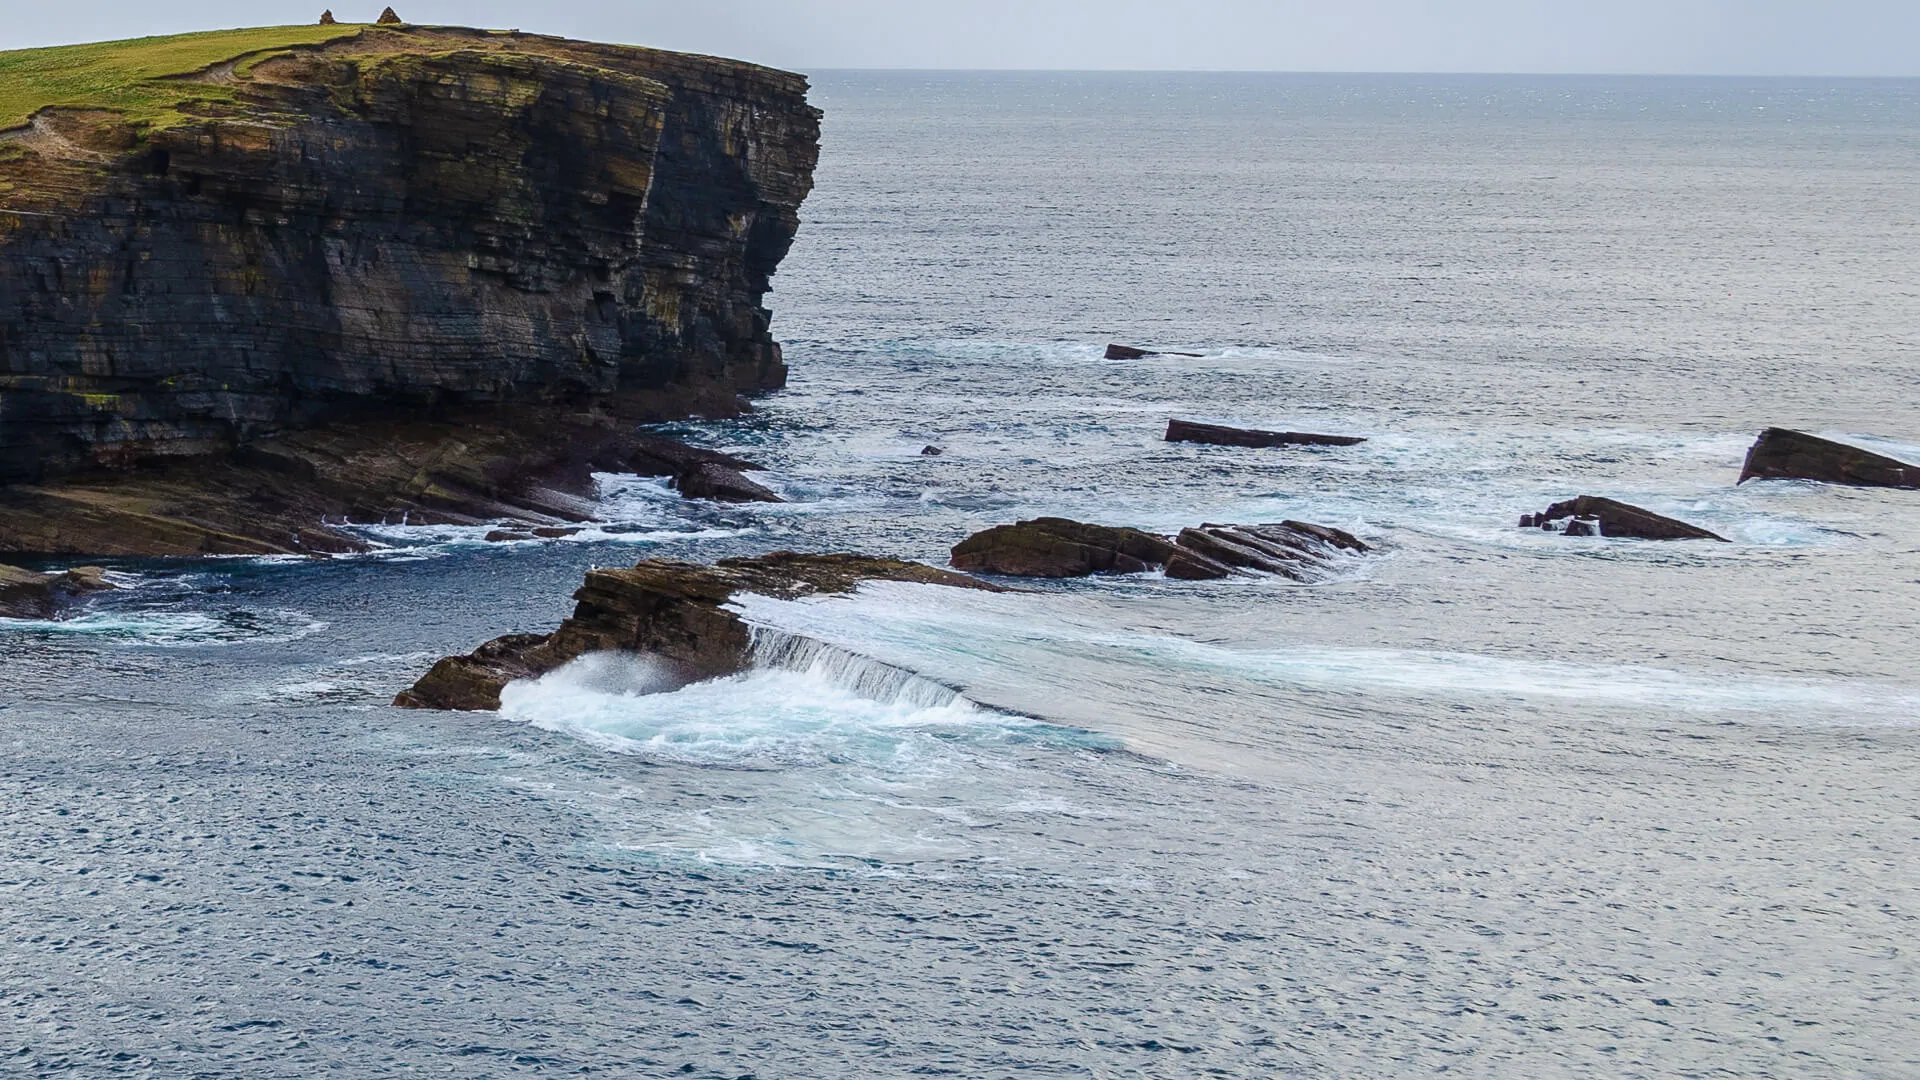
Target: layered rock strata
x=1588, y=514
x=1218, y=435
x=1784, y=454
x=1052, y=547
x=671, y=610
x=385, y=275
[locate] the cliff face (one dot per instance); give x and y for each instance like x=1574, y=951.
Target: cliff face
x=420, y=224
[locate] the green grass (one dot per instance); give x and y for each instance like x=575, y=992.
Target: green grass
x=129, y=76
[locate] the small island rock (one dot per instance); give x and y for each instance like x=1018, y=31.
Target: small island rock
x=1784, y=454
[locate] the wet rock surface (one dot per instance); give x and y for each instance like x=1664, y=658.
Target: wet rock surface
x=1059, y=548
x=27, y=594
x=671, y=610
x=1130, y=352
x=1595, y=515
x=1218, y=435
x=1785, y=454
x=491, y=242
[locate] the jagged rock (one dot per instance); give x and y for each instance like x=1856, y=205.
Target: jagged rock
x=931, y=451
x=668, y=609
x=326, y=17
x=1215, y=434
x=301, y=278
x=1783, y=454
x=1614, y=518
x=1128, y=352
x=387, y=18
x=25, y=594
x=711, y=481
x=1526, y=521
x=1057, y=547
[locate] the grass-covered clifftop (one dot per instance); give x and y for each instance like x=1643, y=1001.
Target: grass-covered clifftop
x=143, y=78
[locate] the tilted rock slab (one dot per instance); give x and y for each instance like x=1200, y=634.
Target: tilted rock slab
x=431, y=230
x=1052, y=547
x=1784, y=454
x=1218, y=435
x=665, y=608
x=1618, y=519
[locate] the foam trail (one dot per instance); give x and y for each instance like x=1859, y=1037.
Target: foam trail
x=860, y=675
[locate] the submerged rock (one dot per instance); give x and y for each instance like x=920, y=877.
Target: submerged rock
x=1614, y=518
x=672, y=610
x=1217, y=435
x=1784, y=454
x=1059, y=547
x=931, y=451
x=424, y=273
x=25, y=594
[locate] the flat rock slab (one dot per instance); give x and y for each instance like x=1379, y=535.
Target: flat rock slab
x=1784, y=454
x=26, y=594
x=1129, y=352
x=665, y=608
x=1218, y=435
x=1610, y=517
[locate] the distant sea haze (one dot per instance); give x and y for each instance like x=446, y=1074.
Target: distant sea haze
x=1492, y=800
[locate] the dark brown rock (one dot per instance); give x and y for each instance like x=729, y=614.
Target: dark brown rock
x=26, y=594
x=931, y=451
x=1614, y=518
x=722, y=484
x=326, y=18
x=503, y=536
x=1128, y=352
x=1216, y=435
x=1058, y=547
x=665, y=608
x=387, y=18
x=1783, y=454
x=302, y=272
x=554, y=532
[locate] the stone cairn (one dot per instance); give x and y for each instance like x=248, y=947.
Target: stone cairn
x=387, y=18
x=326, y=17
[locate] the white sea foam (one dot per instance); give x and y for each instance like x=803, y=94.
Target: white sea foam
x=176, y=629
x=766, y=718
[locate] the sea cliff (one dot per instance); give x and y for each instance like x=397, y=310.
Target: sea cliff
x=423, y=271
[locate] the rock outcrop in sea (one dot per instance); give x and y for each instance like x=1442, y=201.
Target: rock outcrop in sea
x=670, y=610
x=28, y=594
x=1785, y=454
x=1588, y=514
x=1052, y=547
x=421, y=272
x=1219, y=435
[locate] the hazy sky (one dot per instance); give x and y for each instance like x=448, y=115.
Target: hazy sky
x=1799, y=37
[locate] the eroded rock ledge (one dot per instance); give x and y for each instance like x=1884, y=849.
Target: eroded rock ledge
x=388, y=277
x=1052, y=547
x=672, y=610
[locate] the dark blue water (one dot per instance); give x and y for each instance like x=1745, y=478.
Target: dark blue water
x=1494, y=803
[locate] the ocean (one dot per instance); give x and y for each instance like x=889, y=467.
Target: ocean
x=1491, y=802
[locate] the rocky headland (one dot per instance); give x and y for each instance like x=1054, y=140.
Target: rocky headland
x=341, y=273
